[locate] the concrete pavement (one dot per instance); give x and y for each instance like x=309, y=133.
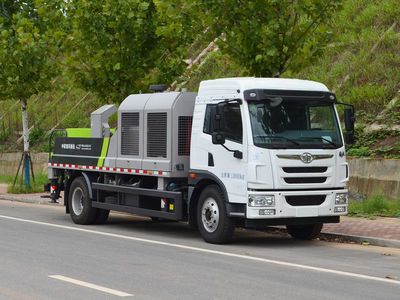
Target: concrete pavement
x=150, y=260
x=386, y=228
x=27, y=198
x=379, y=231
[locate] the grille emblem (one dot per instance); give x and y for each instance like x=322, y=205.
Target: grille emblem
x=299, y=157
x=306, y=157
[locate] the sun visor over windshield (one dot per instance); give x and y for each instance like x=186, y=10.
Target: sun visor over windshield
x=260, y=94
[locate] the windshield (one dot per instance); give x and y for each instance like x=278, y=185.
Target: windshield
x=294, y=124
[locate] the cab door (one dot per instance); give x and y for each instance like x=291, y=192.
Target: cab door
x=220, y=159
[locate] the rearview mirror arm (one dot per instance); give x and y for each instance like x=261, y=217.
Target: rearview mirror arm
x=236, y=153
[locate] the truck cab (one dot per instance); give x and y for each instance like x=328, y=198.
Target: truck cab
x=274, y=149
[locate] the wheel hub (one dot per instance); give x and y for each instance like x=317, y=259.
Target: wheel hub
x=210, y=215
x=77, y=201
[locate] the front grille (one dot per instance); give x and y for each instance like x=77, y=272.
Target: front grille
x=304, y=169
x=305, y=179
x=130, y=133
x=184, y=134
x=308, y=200
x=157, y=135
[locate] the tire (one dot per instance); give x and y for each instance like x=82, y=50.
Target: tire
x=102, y=216
x=80, y=206
x=304, y=232
x=214, y=225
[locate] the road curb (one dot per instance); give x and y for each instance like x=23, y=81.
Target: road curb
x=375, y=241
x=23, y=199
x=343, y=238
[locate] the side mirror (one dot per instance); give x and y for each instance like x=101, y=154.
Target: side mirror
x=218, y=138
x=349, y=119
x=216, y=121
x=218, y=117
x=238, y=154
x=349, y=138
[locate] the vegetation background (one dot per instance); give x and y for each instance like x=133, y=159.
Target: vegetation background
x=109, y=49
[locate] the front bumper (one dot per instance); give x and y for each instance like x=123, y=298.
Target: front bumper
x=296, y=210
x=262, y=223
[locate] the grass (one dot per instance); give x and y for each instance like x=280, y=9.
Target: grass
x=36, y=186
x=362, y=66
x=375, y=206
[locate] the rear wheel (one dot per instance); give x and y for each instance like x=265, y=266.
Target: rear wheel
x=80, y=206
x=305, y=232
x=213, y=223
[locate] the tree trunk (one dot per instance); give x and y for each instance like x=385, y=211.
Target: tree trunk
x=25, y=128
x=25, y=156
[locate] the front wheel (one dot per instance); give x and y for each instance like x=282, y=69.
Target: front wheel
x=305, y=232
x=213, y=223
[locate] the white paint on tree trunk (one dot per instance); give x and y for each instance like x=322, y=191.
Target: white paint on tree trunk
x=25, y=128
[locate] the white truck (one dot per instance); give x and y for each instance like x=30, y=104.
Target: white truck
x=248, y=152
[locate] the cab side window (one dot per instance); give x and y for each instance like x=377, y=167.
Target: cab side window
x=232, y=125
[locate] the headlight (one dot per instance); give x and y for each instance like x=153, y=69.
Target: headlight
x=341, y=198
x=261, y=200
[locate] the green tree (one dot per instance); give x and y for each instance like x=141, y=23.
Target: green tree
x=114, y=45
x=183, y=29
x=119, y=47
x=27, y=49
x=269, y=37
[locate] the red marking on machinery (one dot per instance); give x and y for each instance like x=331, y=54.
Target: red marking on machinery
x=108, y=169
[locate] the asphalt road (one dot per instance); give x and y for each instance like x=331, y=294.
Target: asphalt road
x=43, y=255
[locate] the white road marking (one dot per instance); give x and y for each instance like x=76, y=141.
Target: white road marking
x=209, y=251
x=90, y=286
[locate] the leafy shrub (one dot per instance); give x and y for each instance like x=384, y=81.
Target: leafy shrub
x=359, y=152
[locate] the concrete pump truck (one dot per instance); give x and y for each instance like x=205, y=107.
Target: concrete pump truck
x=242, y=152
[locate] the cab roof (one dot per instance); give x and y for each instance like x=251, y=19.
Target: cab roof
x=240, y=84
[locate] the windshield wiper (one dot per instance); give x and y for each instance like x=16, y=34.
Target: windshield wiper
x=283, y=137
x=320, y=138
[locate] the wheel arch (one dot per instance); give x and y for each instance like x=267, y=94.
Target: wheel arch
x=88, y=177
x=196, y=186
